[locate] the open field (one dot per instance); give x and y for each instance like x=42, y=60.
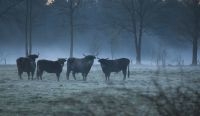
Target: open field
x=94, y=97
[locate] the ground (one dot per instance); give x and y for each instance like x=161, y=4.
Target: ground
x=94, y=97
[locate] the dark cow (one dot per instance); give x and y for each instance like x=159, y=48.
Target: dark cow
x=50, y=67
x=26, y=64
x=80, y=65
x=117, y=65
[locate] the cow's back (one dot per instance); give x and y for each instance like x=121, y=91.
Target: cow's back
x=114, y=65
x=49, y=66
x=123, y=61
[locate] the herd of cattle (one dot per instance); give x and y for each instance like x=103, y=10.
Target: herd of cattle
x=74, y=65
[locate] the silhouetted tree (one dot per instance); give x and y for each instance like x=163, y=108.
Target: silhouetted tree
x=134, y=17
x=190, y=24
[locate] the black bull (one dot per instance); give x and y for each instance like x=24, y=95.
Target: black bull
x=26, y=64
x=80, y=65
x=117, y=65
x=50, y=67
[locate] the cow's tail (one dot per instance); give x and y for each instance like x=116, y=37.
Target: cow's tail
x=128, y=70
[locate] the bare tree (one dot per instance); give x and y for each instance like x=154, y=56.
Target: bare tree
x=3, y=57
x=159, y=56
x=75, y=18
x=179, y=60
x=189, y=25
x=28, y=44
x=95, y=46
x=135, y=17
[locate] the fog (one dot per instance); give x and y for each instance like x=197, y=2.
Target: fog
x=50, y=35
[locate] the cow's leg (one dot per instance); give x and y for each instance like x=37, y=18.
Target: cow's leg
x=124, y=73
x=83, y=76
x=67, y=74
x=28, y=73
x=73, y=73
x=20, y=74
x=32, y=74
x=40, y=75
x=86, y=75
x=58, y=76
x=108, y=76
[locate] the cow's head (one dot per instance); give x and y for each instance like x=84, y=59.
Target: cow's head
x=61, y=61
x=103, y=60
x=33, y=56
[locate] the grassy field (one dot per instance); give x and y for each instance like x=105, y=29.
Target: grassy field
x=94, y=97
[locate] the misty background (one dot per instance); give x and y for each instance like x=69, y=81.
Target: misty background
x=100, y=27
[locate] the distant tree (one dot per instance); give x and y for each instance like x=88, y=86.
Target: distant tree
x=161, y=56
x=189, y=26
x=3, y=57
x=134, y=17
x=179, y=60
x=113, y=41
x=10, y=6
x=95, y=46
x=76, y=16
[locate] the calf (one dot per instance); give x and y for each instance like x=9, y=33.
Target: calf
x=80, y=65
x=50, y=67
x=117, y=65
x=26, y=64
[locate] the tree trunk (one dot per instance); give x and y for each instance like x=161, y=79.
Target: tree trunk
x=196, y=34
x=138, y=54
x=28, y=41
x=112, y=52
x=71, y=36
x=30, y=27
x=194, y=51
x=139, y=43
x=26, y=30
x=71, y=28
